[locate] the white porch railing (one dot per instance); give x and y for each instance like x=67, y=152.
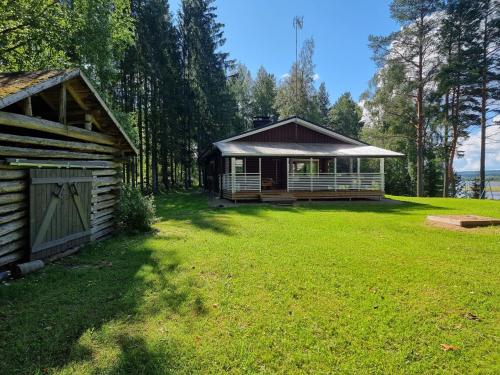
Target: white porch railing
x=335, y=181
x=251, y=182
x=241, y=182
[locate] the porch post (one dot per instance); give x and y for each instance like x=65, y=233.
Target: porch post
x=233, y=175
x=382, y=174
x=311, y=173
x=359, y=167
x=335, y=173
x=260, y=175
x=287, y=173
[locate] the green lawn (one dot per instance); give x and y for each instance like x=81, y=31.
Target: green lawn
x=335, y=288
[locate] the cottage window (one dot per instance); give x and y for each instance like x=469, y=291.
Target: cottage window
x=240, y=165
x=304, y=166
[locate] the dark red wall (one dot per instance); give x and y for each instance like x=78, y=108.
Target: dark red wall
x=289, y=133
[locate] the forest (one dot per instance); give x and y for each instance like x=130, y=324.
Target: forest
x=176, y=89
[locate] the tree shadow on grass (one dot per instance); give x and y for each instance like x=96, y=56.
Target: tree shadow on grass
x=192, y=207
x=383, y=207
x=139, y=357
x=46, y=318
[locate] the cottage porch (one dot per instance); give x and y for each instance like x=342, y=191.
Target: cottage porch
x=277, y=179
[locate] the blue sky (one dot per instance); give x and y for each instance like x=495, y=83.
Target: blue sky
x=260, y=32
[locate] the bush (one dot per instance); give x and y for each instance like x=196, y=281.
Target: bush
x=136, y=212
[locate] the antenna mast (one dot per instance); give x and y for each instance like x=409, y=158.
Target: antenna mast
x=298, y=23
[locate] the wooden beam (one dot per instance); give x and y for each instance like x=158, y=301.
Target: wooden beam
x=96, y=123
x=102, y=181
x=88, y=121
x=63, y=104
x=44, y=153
x=13, y=246
x=28, y=110
x=57, y=143
x=105, y=172
x=26, y=122
x=11, y=198
x=12, y=226
x=90, y=164
x=12, y=257
x=12, y=174
x=96, y=215
x=4, y=219
x=7, y=208
x=12, y=186
x=76, y=97
x=89, y=117
x=110, y=113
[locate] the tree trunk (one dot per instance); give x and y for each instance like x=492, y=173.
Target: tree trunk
x=154, y=135
x=420, y=143
x=446, y=182
x=484, y=99
x=147, y=121
x=420, y=113
x=141, y=143
x=454, y=136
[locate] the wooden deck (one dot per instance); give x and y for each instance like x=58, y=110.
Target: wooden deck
x=283, y=195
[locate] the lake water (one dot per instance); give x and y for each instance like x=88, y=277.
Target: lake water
x=492, y=189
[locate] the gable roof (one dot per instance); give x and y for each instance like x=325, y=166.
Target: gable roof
x=15, y=87
x=300, y=121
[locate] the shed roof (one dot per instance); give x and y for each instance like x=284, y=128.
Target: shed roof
x=15, y=87
x=302, y=149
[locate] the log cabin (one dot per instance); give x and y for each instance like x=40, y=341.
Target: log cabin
x=62, y=153
x=293, y=159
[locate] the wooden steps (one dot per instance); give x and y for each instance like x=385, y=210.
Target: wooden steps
x=277, y=197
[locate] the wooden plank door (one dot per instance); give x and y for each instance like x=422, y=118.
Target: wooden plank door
x=60, y=207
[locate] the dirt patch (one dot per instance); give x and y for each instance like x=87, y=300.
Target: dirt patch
x=462, y=221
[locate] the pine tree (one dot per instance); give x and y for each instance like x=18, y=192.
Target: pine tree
x=211, y=109
x=264, y=94
x=414, y=46
x=459, y=40
x=323, y=104
x=489, y=72
x=345, y=116
x=390, y=108
x=240, y=86
x=296, y=93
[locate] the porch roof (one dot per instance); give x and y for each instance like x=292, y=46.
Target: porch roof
x=302, y=149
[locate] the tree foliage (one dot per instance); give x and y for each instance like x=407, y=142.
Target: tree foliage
x=264, y=94
x=296, y=93
x=345, y=116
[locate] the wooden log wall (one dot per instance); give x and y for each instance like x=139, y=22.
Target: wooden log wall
x=13, y=215
x=47, y=144
x=14, y=202
x=105, y=191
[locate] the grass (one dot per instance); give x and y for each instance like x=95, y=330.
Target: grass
x=336, y=288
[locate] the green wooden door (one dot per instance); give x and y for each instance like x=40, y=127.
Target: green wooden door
x=59, y=210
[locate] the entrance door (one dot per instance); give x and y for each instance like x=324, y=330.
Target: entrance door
x=274, y=169
x=60, y=205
